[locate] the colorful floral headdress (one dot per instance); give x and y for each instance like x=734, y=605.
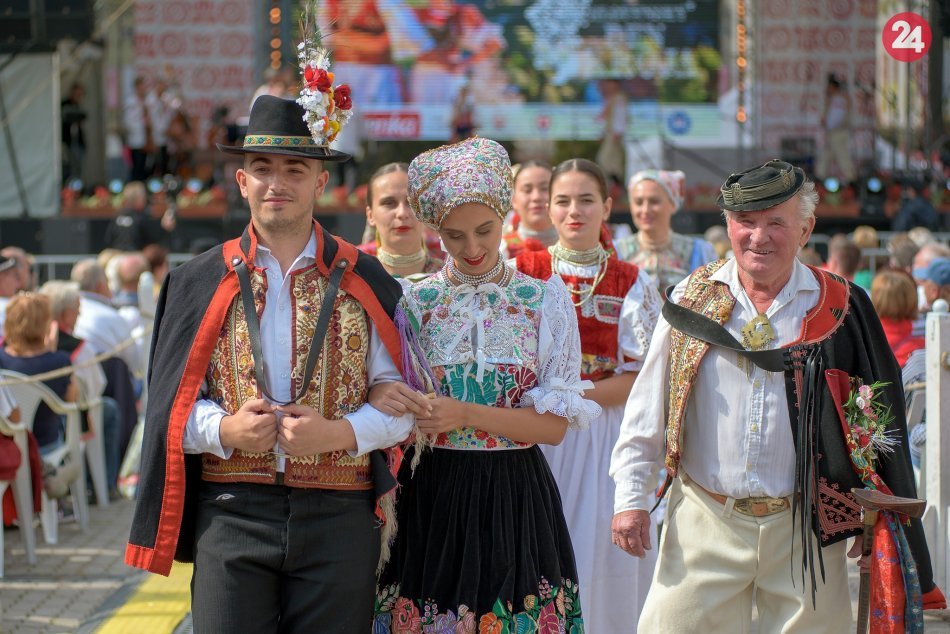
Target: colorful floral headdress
x=328, y=107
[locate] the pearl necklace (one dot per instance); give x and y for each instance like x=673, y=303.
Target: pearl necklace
x=588, y=257
x=474, y=280
x=396, y=261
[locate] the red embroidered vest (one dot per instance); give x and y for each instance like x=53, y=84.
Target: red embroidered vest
x=599, y=317
x=339, y=385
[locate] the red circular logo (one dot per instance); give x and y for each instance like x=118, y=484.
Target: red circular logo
x=906, y=37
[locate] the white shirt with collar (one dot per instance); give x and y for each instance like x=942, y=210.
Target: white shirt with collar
x=738, y=442
x=102, y=327
x=373, y=429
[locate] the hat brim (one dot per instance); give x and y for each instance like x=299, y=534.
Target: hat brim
x=765, y=203
x=320, y=154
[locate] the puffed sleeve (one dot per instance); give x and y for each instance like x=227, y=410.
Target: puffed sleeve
x=638, y=315
x=560, y=389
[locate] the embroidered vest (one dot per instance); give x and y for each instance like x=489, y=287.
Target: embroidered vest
x=599, y=317
x=518, y=245
x=339, y=385
x=713, y=300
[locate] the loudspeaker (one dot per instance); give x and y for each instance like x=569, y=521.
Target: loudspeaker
x=37, y=25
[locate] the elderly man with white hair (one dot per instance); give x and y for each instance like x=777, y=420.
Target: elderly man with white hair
x=99, y=322
x=758, y=358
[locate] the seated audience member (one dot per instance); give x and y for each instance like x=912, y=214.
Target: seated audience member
x=716, y=236
x=157, y=257
x=811, y=257
x=922, y=236
x=935, y=280
x=29, y=347
x=99, y=322
x=914, y=372
x=65, y=306
x=844, y=258
x=894, y=296
x=105, y=331
x=24, y=266
x=9, y=285
x=865, y=238
x=902, y=251
x=927, y=254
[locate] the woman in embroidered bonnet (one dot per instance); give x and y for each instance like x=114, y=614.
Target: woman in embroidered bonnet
x=655, y=195
x=482, y=542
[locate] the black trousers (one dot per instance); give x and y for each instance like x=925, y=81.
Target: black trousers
x=271, y=558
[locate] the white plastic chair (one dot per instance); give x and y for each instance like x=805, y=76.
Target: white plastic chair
x=29, y=396
x=22, y=492
x=93, y=444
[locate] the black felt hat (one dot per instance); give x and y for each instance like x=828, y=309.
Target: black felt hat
x=277, y=126
x=761, y=187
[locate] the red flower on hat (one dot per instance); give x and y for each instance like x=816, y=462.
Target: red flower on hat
x=341, y=97
x=317, y=79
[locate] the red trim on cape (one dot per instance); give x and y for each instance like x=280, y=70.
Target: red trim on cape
x=159, y=558
x=829, y=312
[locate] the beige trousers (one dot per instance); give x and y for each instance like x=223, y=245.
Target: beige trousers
x=712, y=558
x=838, y=149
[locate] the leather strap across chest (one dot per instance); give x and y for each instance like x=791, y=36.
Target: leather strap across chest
x=319, y=332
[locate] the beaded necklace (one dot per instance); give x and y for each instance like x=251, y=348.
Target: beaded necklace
x=474, y=280
x=588, y=257
x=396, y=261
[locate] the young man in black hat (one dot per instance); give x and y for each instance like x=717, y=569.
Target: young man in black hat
x=262, y=461
x=753, y=430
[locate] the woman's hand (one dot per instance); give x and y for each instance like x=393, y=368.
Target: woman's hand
x=445, y=415
x=396, y=399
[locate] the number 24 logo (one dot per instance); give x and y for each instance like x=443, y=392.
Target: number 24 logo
x=908, y=37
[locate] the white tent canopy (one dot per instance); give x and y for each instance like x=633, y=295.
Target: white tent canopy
x=30, y=87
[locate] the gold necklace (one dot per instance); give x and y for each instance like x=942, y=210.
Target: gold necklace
x=588, y=257
x=396, y=261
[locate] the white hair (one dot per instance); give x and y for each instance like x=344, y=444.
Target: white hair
x=62, y=296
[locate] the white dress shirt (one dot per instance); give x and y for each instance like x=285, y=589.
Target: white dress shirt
x=738, y=441
x=373, y=429
x=104, y=329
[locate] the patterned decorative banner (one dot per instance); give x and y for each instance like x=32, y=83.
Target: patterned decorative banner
x=204, y=46
x=797, y=44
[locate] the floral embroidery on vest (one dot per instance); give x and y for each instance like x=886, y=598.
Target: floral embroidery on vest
x=713, y=300
x=339, y=385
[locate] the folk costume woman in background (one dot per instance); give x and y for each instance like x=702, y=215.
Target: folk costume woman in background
x=482, y=543
x=399, y=236
x=655, y=195
x=617, y=307
x=531, y=228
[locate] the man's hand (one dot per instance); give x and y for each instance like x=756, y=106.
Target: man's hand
x=302, y=431
x=253, y=428
x=630, y=531
x=396, y=398
x=445, y=415
x=864, y=563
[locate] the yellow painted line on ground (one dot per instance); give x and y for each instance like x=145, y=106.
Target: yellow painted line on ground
x=157, y=607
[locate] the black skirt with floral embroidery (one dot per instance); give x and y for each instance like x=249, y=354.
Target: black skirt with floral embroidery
x=482, y=547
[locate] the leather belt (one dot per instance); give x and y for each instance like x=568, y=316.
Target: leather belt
x=753, y=506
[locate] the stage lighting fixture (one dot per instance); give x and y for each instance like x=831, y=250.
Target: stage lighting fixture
x=195, y=184
x=874, y=185
x=75, y=184
x=832, y=184
x=154, y=185
x=115, y=186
